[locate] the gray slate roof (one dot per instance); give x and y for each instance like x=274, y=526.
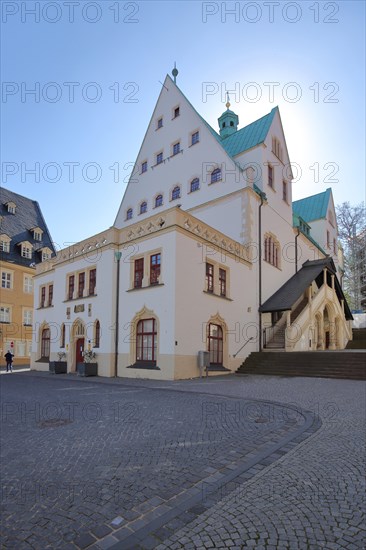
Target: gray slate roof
x=18, y=227
x=290, y=292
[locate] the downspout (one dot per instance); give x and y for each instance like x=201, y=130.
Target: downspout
x=117, y=256
x=296, y=258
x=260, y=268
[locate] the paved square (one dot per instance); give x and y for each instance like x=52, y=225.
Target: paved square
x=217, y=463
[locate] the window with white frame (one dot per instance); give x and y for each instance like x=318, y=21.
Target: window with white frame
x=11, y=207
x=37, y=234
x=46, y=254
x=4, y=243
x=27, y=317
x=6, y=280
x=26, y=250
x=5, y=316
x=28, y=284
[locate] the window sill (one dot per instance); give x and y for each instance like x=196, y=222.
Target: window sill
x=144, y=287
x=146, y=365
x=158, y=164
x=76, y=299
x=175, y=154
x=218, y=296
x=44, y=307
x=213, y=182
x=193, y=144
x=5, y=322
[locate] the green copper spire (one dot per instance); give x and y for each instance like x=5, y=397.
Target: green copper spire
x=228, y=121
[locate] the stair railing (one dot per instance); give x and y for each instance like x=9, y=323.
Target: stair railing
x=245, y=343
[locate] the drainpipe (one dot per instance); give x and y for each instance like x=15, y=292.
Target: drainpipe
x=117, y=256
x=296, y=255
x=262, y=195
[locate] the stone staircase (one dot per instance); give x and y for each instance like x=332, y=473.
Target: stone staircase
x=323, y=364
x=277, y=341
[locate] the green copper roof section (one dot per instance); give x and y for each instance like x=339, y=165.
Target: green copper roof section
x=249, y=136
x=314, y=207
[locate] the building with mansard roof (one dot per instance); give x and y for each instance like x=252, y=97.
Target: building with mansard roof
x=206, y=254
x=24, y=242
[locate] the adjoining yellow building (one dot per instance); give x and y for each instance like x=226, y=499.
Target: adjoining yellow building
x=24, y=242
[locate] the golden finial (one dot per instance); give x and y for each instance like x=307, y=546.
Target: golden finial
x=228, y=101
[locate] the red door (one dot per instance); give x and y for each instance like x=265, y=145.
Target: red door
x=79, y=350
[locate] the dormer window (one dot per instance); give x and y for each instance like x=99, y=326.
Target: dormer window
x=37, y=233
x=4, y=243
x=11, y=206
x=26, y=250
x=46, y=253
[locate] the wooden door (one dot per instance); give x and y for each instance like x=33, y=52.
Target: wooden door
x=79, y=350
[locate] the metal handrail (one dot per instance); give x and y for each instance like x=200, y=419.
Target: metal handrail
x=251, y=338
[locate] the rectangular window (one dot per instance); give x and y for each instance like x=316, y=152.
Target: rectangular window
x=138, y=273
x=27, y=317
x=284, y=190
x=334, y=246
x=5, y=280
x=4, y=246
x=195, y=138
x=176, y=148
x=92, y=281
x=4, y=314
x=71, y=287
x=43, y=296
x=45, y=256
x=222, y=282
x=81, y=285
x=37, y=235
x=160, y=123
x=50, y=295
x=26, y=252
x=328, y=239
x=28, y=284
x=159, y=158
x=209, y=277
x=155, y=261
x=144, y=167
x=176, y=112
x=270, y=176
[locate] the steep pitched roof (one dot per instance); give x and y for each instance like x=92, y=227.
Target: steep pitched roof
x=251, y=135
x=290, y=292
x=313, y=207
x=19, y=227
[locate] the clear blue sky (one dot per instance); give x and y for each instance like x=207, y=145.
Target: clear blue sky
x=129, y=47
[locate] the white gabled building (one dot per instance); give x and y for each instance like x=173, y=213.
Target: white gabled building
x=206, y=253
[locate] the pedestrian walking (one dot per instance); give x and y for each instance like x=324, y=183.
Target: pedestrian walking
x=9, y=361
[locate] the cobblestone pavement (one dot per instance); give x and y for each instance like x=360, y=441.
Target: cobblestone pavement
x=217, y=463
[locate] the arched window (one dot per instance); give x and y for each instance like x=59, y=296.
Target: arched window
x=158, y=200
x=129, y=214
x=215, y=344
x=96, y=334
x=176, y=193
x=271, y=251
x=195, y=184
x=143, y=207
x=146, y=341
x=45, y=343
x=216, y=175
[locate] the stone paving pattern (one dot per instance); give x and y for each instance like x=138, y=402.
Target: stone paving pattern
x=188, y=464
